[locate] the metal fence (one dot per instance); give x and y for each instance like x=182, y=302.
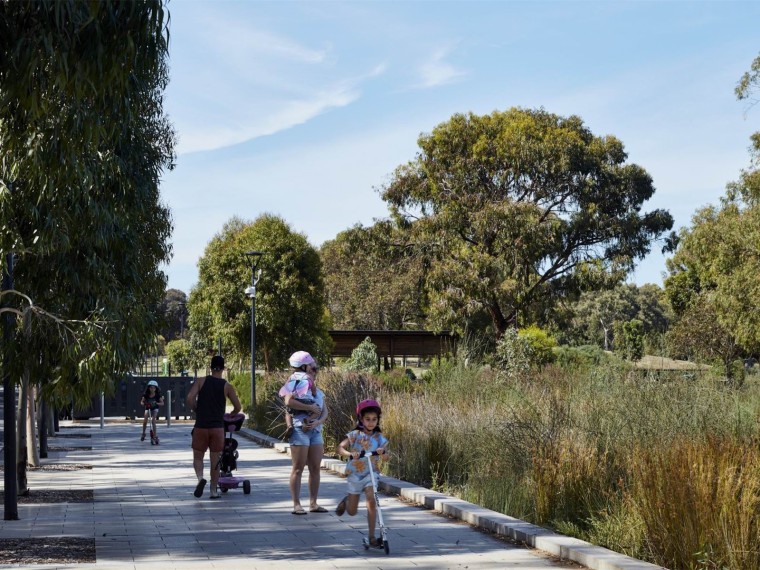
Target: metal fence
x=125, y=400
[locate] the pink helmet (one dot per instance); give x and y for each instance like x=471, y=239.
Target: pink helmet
x=301, y=358
x=364, y=404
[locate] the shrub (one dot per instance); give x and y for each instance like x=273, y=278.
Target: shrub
x=540, y=345
x=512, y=355
x=584, y=356
x=629, y=339
x=363, y=357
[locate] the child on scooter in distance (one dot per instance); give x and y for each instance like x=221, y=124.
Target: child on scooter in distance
x=365, y=437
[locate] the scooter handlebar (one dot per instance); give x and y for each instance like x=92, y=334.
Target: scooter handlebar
x=364, y=453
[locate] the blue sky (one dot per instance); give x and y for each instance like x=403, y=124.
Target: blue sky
x=304, y=109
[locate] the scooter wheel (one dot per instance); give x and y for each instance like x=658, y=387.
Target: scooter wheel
x=365, y=543
x=246, y=487
x=386, y=547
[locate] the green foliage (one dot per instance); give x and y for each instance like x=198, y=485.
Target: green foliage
x=487, y=201
x=540, y=345
x=583, y=356
x=750, y=81
x=595, y=314
x=290, y=305
x=399, y=380
x=513, y=355
x=84, y=143
x=363, y=357
x=372, y=279
x=173, y=315
x=629, y=339
x=184, y=356
x=519, y=351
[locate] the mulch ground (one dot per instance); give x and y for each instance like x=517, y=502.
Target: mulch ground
x=57, y=467
x=37, y=496
x=82, y=435
x=47, y=550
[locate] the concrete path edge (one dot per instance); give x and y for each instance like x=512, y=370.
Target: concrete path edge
x=564, y=547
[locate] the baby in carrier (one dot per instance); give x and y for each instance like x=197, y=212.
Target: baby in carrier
x=302, y=389
x=296, y=418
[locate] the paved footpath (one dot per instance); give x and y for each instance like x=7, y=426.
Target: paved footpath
x=145, y=515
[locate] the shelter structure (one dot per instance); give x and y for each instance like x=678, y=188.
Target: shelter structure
x=396, y=344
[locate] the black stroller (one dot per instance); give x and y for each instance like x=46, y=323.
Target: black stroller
x=228, y=459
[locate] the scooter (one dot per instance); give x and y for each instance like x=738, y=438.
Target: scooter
x=380, y=523
x=152, y=425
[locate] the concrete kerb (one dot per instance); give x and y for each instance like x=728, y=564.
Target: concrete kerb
x=564, y=547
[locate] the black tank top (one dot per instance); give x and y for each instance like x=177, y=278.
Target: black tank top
x=211, y=404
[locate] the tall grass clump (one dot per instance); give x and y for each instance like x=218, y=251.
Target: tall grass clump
x=698, y=500
x=658, y=466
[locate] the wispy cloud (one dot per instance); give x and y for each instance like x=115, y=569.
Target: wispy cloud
x=277, y=116
x=436, y=71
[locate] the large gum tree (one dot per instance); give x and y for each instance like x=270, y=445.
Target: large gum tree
x=290, y=304
x=83, y=142
x=519, y=208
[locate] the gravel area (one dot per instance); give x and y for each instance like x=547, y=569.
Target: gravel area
x=57, y=467
x=47, y=550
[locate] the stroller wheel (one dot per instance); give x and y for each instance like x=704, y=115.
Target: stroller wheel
x=224, y=489
x=246, y=487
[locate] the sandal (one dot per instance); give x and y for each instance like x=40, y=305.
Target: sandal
x=318, y=510
x=341, y=508
x=375, y=542
x=298, y=511
x=199, y=488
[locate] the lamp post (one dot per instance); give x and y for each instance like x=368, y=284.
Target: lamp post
x=251, y=292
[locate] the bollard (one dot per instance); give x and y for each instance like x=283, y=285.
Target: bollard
x=168, y=408
x=102, y=410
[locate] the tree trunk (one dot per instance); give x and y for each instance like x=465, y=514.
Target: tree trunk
x=21, y=437
x=606, y=335
x=44, y=427
x=33, y=455
x=500, y=323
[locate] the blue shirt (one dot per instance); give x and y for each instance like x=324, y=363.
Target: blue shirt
x=360, y=441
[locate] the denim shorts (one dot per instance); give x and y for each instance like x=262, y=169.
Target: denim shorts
x=356, y=486
x=311, y=437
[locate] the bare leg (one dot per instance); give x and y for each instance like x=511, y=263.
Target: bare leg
x=214, y=456
x=371, y=511
x=198, y=463
x=352, y=504
x=154, y=422
x=314, y=461
x=145, y=421
x=298, y=454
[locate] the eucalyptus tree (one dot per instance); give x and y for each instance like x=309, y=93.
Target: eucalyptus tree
x=173, y=314
x=596, y=314
x=713, y=282
x=290, y=305
x=83, y=142
x=520, y=208
x=373, y=280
